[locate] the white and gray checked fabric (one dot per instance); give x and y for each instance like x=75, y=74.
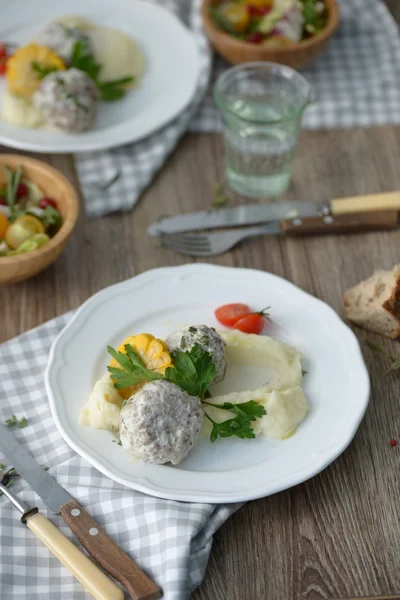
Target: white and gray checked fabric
x=355, y=83
x=170, y=540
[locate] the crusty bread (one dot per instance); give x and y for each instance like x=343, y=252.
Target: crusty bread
x=374, y=304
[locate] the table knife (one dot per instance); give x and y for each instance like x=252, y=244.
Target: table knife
x=92, y=537
x=252, y=214
x=86, y=572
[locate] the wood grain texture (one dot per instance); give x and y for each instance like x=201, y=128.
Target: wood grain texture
x=337, y=535
x=108, y=554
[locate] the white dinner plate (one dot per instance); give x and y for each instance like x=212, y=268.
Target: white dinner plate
x=167, y=87
x=230, y=470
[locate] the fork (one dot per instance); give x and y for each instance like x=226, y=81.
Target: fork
x=212, y=244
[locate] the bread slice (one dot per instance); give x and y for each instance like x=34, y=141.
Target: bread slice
x=374, y=304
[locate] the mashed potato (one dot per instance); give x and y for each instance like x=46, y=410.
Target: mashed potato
x=20, y=111
x=103, y=407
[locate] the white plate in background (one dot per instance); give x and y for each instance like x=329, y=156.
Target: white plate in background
x=167, y=87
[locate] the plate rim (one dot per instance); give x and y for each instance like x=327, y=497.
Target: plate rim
x=196, y=496
x=124, y=138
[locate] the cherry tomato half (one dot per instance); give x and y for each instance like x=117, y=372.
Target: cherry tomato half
x=230, y=313
x=252, y=323
x=47, y=202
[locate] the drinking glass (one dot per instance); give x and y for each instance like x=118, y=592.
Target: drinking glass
x=261, y=105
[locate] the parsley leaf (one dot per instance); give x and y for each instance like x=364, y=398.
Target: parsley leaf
x=315, y=16
x=23, y=422
x=194, y=371
x=51, y=219
x=42, y=72
x=114, y=89
x=395, y=361
x=220, y=198
x=133, y=370
x=240, y=425
x=83, y=60
x=13, y=179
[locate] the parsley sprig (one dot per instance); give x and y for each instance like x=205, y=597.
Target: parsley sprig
x=42, y=72
x=9, y=476
x=395, y=361
x=13, y=180
x=83, y=60
x=13, y=420
x=240, y=425
x=314, y=18
x=193, y=371
x=133, y=370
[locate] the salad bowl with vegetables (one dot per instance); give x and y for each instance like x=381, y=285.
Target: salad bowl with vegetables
x=38, y=211
x=289, y=32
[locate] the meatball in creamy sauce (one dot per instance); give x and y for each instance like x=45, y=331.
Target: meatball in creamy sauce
x=160, y=423
x=68, y=100
x=62, y=39
x=207, y=338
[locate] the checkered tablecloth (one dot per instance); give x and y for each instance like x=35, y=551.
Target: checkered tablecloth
x=355, y=83
x=170, y=540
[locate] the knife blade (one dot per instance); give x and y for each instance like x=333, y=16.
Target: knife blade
x=92, y=537
x=248, y=214
x=252, y=214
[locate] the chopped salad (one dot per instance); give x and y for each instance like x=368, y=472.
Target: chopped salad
x=276, y=23
x=28, y=218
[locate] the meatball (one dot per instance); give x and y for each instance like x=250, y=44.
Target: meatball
x=62, y=40
x=205, y=337
x=68, y=100
x=160, y=423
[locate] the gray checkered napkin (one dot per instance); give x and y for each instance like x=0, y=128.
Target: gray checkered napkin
x=355, y=82
x=170, y=540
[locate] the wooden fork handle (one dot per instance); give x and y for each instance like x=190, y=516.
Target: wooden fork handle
x=108, y=554
x=330, y=224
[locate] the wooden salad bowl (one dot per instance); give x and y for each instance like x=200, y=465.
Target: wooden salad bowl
x=295, y=56
x=55, y=185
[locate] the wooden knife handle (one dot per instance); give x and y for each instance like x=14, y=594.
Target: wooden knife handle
x=108, y=554
x=372, y=202
x=370, y=221
x=86, y=572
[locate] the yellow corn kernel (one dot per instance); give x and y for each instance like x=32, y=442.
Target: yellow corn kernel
x=153, y=352
x=156, y=347
x=22, y=79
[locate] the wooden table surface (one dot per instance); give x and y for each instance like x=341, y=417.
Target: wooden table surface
x=338, y=534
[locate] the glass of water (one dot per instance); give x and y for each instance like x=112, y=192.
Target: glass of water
x=261, y=104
